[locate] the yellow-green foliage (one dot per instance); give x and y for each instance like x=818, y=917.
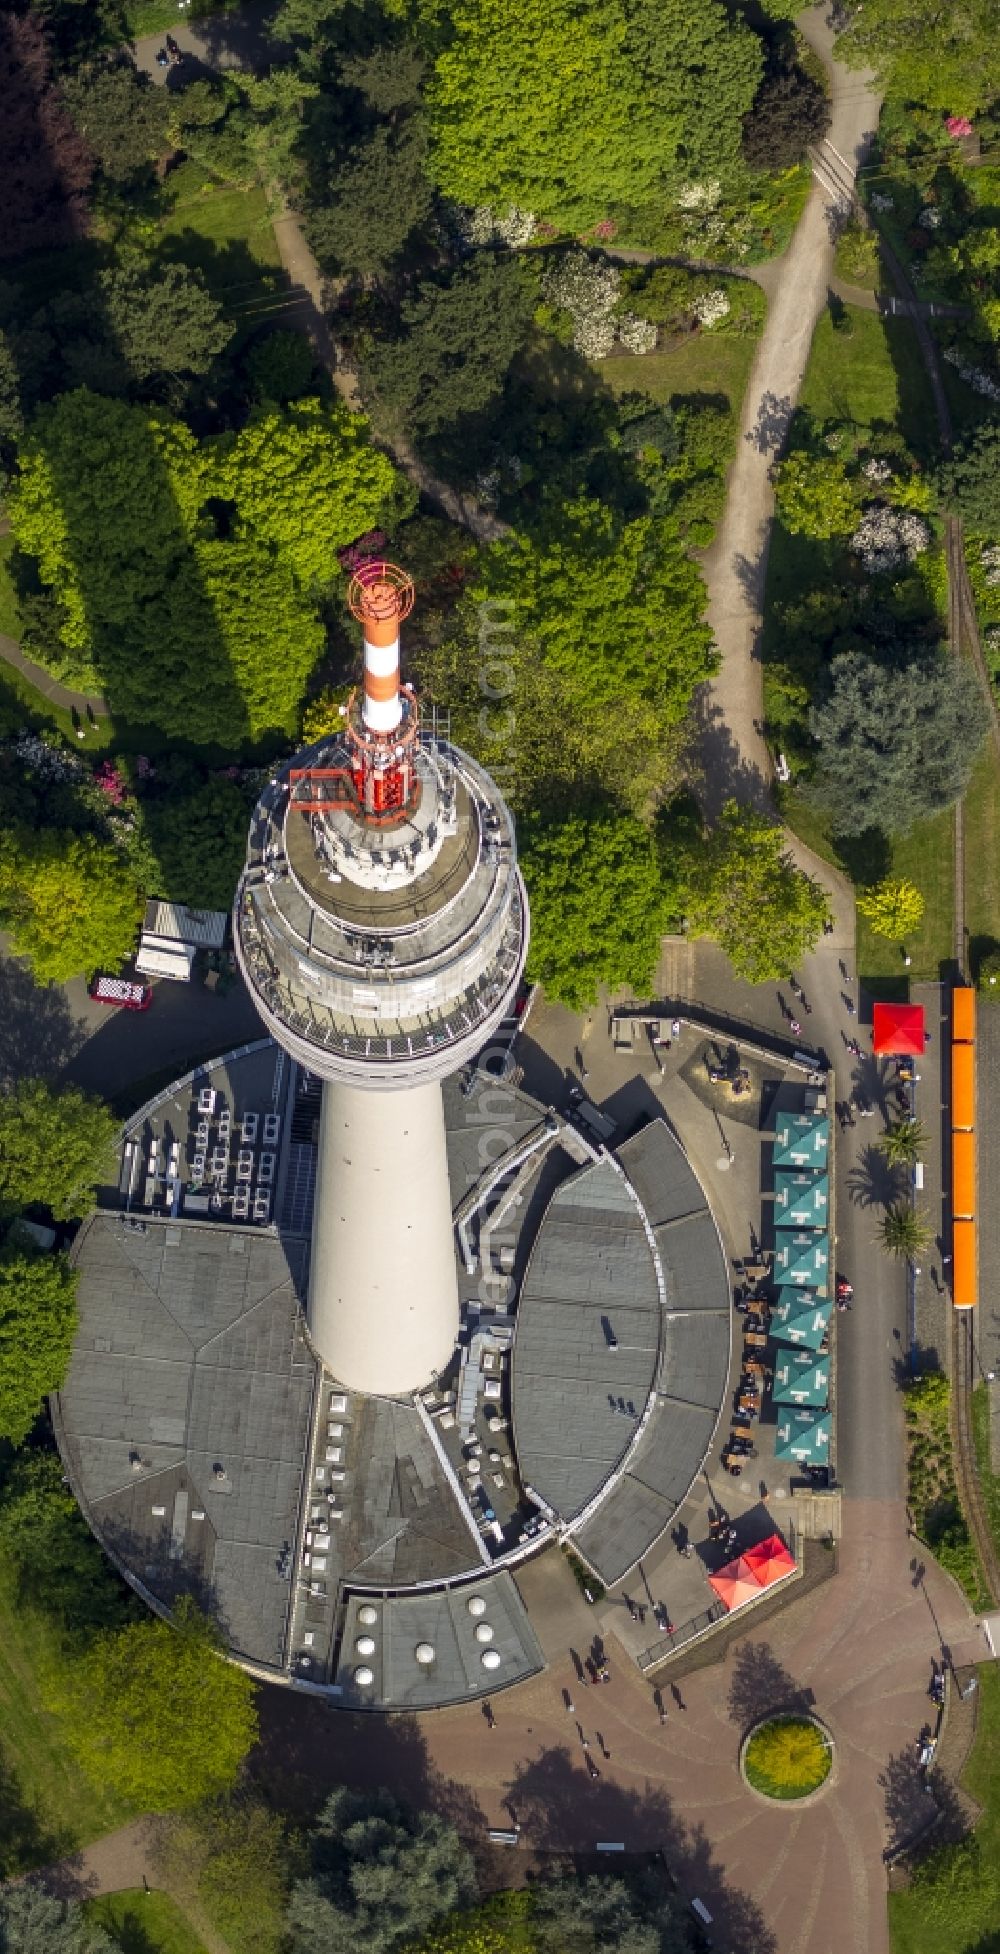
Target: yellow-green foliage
x=502, y=1925
x=787, y=1758
x=894, y=907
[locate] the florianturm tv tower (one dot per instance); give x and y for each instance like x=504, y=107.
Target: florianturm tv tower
x=382, y=926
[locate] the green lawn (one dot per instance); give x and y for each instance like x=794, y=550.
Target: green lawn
x=47, y=1806
x=150, y=16
x=873, y=373
x=705, y=363
x=926, y=857
x=922, y=1921
x=144, y=1923
x=982, y=852
x=8, y=604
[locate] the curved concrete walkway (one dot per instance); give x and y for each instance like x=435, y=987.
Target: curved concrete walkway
x=734, y=755
x=49, y=687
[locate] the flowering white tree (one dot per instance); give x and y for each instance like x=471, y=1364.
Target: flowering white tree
x=710, y=308
x=636, y=335
x=974, y=376
x=589, y=291
x=886, y=538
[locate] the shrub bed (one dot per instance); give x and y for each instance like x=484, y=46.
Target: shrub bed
x=787, y=1757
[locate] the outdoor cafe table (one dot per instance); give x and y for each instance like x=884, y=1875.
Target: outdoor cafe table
x=754, y=1340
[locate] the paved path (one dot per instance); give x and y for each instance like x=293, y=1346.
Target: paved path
x=36, y=675
x=121, y=1862
x=734, y=753
x=862, y=1644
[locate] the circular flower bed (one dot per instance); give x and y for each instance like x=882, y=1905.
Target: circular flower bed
x=787, y=1757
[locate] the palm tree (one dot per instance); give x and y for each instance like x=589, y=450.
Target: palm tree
x=904, y=1142
x=905, y=1231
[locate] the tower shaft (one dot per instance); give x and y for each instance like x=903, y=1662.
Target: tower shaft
x=383, y=1292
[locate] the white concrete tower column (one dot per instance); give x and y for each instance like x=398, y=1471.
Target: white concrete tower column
x=383, y=1289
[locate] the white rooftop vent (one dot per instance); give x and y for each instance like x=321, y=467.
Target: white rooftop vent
x=476, y=1605
x=365, y=1645
x=490, y=1658
x=364, y=1678
x=368, y=1615
x=424, y=1653
x=484, y=1633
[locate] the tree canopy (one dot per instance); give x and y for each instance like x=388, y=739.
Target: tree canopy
x=459, y=338
x=815, y=497
x=379, y=1876
x=599, y=902
x=57, y=1565
x=55, y=1149
x=894, y=907
x=70, y=902
x=37, y=1326
x=586, y=633
x=569, y=110
x=969, y=479
x=117, y=503
x=162, y=317
x=895, y=743
x=121, y=114
x=743, y=888
x=154, y=1711
x=942, y=57
x=35, y=1922
x=375, y=203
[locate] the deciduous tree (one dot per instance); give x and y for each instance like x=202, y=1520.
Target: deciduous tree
x=56, y=1147
x=789, y=112
x=56, y=1562
x=893, y=908
x=459, y=338
x=970, y=478
x=743, y=888
x=814, y=496
x=210, y=638
x=586, y=634
x=37, y=1327
x=895, y=743
x=380, y=1876
x=69, y=901
x=153, y=1711
x=567, y=110
x=942, y=57
x=162, y=317
x=35, y=1922
x=121, y=114
x=600, y=902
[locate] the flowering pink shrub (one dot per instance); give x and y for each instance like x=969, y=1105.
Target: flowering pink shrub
x=606, y=230
x=370, y=545
x=111, y=782
x=958, y=125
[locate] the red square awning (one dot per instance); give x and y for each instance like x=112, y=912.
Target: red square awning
x=898, y=1029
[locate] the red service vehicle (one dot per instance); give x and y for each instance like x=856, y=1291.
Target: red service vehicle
x=124, y=993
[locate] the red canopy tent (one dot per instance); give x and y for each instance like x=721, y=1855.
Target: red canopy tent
x=735, y=1583
x=898, y=1030
x=769, y=1561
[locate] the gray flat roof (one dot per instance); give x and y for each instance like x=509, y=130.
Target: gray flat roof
x=442, y=1621
x=621, y=1355
x=190, y=1357
x=587, y=1341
